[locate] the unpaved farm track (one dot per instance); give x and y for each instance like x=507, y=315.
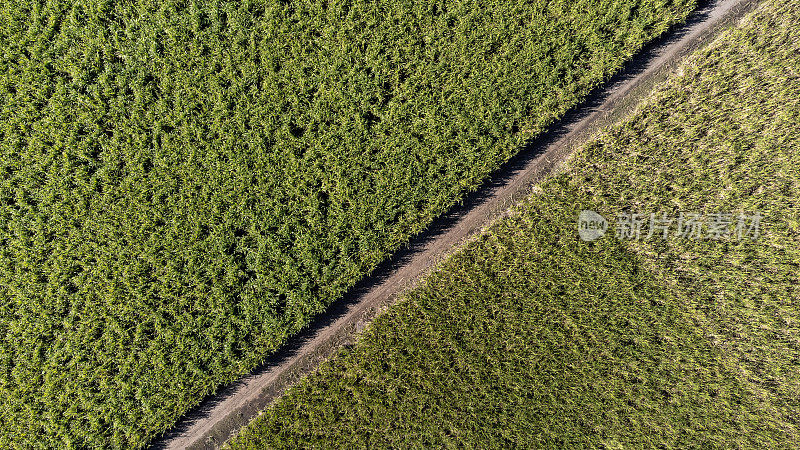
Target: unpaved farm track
x=220, y=416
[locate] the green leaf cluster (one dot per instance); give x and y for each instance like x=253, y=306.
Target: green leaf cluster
x=184, y=184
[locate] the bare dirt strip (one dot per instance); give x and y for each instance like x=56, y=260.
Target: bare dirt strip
x=220, y=416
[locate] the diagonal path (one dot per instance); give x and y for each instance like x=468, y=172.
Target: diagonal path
x=221, y=415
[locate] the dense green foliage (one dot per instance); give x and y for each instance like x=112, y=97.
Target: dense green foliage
x=183, y=184
x=531, y=338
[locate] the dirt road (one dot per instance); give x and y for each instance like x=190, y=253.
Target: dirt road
x=221, y=415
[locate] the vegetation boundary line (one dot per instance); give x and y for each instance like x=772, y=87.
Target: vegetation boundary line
x=221, y=415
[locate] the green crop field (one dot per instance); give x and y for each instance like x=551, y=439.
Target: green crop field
x=530, y=337
x=184, y=184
